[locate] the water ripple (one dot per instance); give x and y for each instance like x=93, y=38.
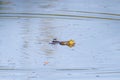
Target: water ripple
x=56, y=16
x=105, y=13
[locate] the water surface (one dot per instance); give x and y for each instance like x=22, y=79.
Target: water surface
x=27, y=27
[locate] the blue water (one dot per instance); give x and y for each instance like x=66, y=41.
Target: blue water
x=28, y=26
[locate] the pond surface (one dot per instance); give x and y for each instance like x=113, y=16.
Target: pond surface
x=28, y=26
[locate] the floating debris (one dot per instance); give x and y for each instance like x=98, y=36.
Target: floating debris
x=46, y=62
x=69, y=43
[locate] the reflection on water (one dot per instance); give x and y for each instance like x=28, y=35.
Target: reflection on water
x=47, y=4
x=4, y=2
x=47, y=32
x=3, y=5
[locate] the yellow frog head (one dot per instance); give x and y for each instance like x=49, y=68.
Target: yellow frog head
x=70, y=43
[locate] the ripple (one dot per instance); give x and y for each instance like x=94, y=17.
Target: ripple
x=56, y=16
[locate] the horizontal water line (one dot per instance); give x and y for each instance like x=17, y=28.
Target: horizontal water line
x=103, y=13
x=76, y=69
x=57, y=16
x=107, y=72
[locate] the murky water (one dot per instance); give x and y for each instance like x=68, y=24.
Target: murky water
x=28, y=26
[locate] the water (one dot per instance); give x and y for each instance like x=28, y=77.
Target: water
x=27, y=27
